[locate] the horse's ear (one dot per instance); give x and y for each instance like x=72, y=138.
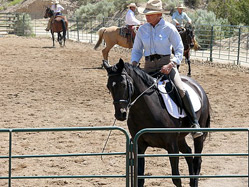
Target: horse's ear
x=120, y=64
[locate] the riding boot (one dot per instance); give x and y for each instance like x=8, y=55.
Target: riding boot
x=49, y=25
x=188, y=107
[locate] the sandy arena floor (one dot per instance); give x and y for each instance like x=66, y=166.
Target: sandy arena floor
x=44, y=87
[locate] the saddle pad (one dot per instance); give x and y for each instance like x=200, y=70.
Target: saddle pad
x=171, y=106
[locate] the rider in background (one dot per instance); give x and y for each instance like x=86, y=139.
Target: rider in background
x=154, y=40
x=57, y=8
x=130, y=18
x=179, y=17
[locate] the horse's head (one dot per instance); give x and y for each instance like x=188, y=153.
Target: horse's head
x=48, y=13
x=121, y=88
x=190, y=37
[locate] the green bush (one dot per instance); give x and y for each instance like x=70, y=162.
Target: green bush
x=102, y=8
x=203, y=22
x=22, y=25
x=235, y=11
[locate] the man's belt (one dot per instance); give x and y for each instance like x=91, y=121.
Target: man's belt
x=155, y=56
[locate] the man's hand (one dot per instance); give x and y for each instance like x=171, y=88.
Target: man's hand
x=166, y=69
x=134, y=63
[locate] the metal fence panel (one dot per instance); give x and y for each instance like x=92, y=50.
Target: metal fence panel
x=222, y=43
x=10, y=156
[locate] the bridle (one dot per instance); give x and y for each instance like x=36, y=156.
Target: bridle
x=189, y=35
x=131, y=91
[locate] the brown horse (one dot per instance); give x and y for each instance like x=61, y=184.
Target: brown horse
x=59, y=24
x=111, y=36
x=189, y=42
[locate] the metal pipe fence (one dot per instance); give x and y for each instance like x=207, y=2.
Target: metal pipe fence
x=221, y=43
x=170, y=130
x=131, y=163
x=10, y=156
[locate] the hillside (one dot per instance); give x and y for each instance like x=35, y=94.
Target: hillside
x=36, y=8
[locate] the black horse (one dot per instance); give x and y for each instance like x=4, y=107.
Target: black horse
x=189, y=42
x=125, y=84
x=59, y=24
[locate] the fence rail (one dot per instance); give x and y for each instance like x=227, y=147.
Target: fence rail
x=10, y=156
x=220, y=43
x=130, y=175
x=170, y=130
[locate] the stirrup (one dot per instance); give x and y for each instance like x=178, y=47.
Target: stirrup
x=196, y=134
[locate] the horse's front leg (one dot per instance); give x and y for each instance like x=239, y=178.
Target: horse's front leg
x=188, y=62
x=141, y=164
x=174, y=162
x=53, y=37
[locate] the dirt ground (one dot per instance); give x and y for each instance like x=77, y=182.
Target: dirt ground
x=44, y=87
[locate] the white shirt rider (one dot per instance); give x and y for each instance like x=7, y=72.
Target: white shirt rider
x=57, y=8
x=130, y=18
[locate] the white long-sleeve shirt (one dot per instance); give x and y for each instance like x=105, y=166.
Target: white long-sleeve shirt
x=179, y=18
x=151, y=40
x=57, y=9
x=130, y=18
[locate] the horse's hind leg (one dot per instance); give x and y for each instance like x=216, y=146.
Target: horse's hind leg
x=174, y=162
x=106, y=50
x=184, y=148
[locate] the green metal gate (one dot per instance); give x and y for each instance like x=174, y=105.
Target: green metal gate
x=170, y=130
x=10, y=156
x=130, y=175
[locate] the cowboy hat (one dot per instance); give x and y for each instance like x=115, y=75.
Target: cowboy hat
x=132, y=5
x=55, y=1
x=152, y=7
x=181, y=5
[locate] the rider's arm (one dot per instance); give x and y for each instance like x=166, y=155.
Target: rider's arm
x=174, y=19
x=187, y=18
x=137, y=50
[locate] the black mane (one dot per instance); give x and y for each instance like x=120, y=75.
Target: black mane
x=147, y=79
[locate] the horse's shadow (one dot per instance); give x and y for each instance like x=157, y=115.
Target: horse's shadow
x=48, y=47
x=93, y=68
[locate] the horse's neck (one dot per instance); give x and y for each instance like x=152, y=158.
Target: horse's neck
x=140, y=83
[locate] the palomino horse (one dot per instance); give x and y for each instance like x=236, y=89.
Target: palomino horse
x=189, y=42
x=146, y=110
x=111, y=36
x=59, y=24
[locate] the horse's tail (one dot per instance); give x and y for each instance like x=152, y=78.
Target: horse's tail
x=64, y=28
x=101, y=32
x=196, y=45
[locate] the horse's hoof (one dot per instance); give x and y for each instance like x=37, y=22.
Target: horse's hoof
x=189, y=74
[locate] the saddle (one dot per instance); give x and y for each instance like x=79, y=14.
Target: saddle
x=129, y=32
x=59, y=18
x=172, y=98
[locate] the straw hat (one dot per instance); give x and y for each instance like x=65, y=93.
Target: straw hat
x=132, y=5
x=152, y=7
x=181, y=5
x=55, y=1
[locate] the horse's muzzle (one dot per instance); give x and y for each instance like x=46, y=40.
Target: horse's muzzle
x=121, y=114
